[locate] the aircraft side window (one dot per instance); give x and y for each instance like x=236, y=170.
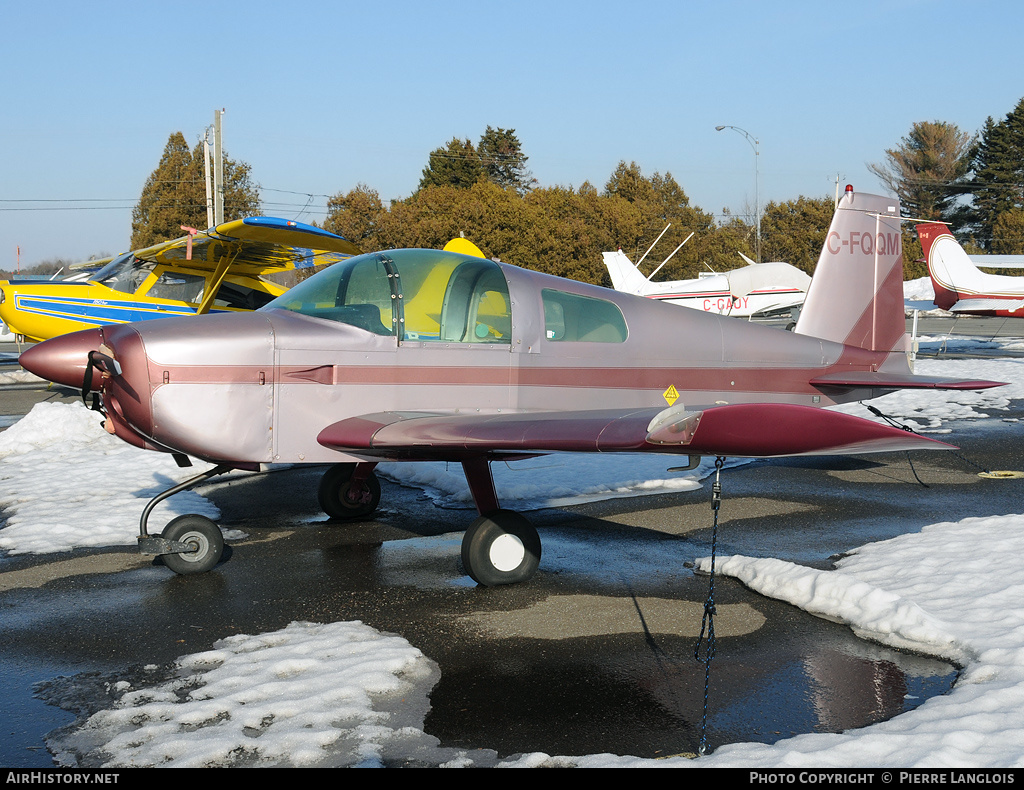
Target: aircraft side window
x=179, y=286
x=240, y=296
x=572, y=317
x=476, y=306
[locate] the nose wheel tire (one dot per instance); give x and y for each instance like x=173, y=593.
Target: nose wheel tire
x=500, y=548
x=344, y=499
x=200, y=533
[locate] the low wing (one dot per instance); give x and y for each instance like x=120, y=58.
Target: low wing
x=756, y=430
x=255, y=246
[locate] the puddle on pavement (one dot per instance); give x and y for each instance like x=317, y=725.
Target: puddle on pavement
x=644, y=696
x=24, y=719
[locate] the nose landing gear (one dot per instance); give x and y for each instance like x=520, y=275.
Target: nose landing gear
x=190, y=543
x=203, y=540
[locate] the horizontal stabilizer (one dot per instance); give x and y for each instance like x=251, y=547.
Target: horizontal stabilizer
x=998, y=261
x=901, y=381
x=981, y=305
x=764, y=430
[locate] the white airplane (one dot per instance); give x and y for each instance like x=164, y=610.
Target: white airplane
x=757, y=290
x=960, y=286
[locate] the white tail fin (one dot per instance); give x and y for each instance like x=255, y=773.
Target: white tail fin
x=625, y=276
x=856, y=294
x=960, y=286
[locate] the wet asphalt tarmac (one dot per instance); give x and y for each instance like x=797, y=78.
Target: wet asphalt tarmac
x=582, y=659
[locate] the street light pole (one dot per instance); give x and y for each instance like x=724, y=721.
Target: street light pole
x=757, y=198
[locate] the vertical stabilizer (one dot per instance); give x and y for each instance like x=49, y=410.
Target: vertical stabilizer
x=856, y=294
x=625, y=276
x=948, y=264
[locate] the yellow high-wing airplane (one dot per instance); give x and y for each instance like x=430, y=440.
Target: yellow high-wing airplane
x=209, y=271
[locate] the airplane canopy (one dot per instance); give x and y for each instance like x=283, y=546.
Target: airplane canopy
x=413, y=294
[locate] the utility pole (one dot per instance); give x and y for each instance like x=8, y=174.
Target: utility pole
x=218, y=170
x=754, y=144
x=837, y=190
x=209, y=181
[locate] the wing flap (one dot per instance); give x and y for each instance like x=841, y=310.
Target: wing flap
x=765, y=430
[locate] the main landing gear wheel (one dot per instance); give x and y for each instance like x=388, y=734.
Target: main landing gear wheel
x=200, y=533
x=500, y=548
x=342, y=498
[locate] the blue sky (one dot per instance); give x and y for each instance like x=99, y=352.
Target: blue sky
x=322, y=96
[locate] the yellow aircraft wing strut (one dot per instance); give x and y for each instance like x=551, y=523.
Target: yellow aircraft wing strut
x=218, y=278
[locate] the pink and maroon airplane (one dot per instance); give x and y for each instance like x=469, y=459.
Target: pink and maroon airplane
x=415, y=355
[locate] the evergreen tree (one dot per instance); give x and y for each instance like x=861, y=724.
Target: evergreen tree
x=628, y=182
x=997, y=180
x=1008, y=233
x=556, y=230
x=660, y=201
x=457, y=164
x=924, y=171
x=355, y=215
x=503, y=160
x=794, y=231
x=175, y=194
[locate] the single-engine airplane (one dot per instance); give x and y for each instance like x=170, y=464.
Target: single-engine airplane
x=416, y=355
x=960, y=286
x=214, y=270
x=757, y=290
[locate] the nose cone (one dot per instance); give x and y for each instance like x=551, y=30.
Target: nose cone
x=62, y=360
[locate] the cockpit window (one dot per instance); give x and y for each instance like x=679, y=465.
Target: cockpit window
x=427, y=295
x=582, y=318
x=356, y=292
x=125, y=273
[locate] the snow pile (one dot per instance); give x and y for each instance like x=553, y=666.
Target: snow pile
x=921, y=290
x=66, y=483
x=952, y=590
x=305, y=695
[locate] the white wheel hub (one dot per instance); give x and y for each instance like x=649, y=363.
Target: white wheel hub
x=507, y=553
x=197, y=539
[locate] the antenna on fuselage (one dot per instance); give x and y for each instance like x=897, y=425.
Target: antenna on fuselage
x=672, y=253
x=652, y=246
